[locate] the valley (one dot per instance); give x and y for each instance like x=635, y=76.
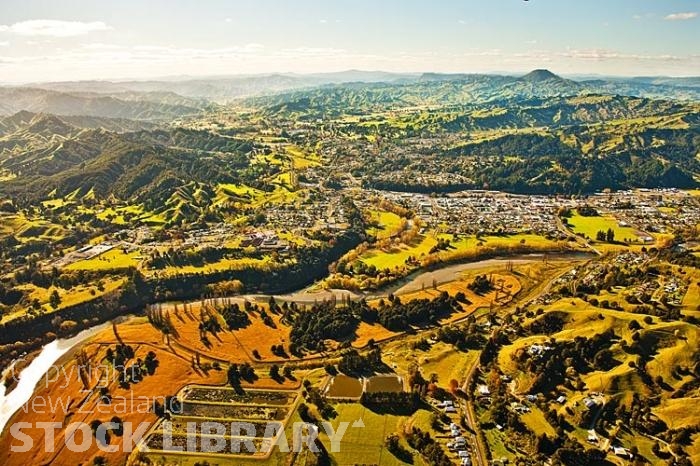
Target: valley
x=482, y=269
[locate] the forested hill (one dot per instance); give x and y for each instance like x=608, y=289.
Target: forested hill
x=45, y=156
x=538, y=133
x=463, y=90
x=535, y=133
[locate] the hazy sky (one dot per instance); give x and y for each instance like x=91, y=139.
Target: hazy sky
x=49, y=40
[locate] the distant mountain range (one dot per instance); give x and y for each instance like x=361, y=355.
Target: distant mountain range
x=467, y=91
x=117, y=139
x=219, y=89
x=168, y=99
x=147, y=106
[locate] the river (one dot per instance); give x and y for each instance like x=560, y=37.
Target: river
x=416, y=280
x=31, y=375
x=448, y=273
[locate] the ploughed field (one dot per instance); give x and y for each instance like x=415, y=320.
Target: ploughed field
x=246, y=423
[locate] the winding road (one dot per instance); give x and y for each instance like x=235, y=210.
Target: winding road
x=481, y=456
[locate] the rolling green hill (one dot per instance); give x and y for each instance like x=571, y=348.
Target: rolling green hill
x=538, y=133
x=51, y=158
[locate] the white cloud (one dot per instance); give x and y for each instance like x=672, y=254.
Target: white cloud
x=612, y=55
x=100, y=46
x=38, y=43
x=4, y=44
x=681, y=16
x=228, y=20
x=54, y=28
x=322, y=21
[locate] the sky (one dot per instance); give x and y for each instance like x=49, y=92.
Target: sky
x=59, y=40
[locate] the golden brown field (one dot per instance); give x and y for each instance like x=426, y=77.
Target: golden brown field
x=366, y=332
x=72, y=404
x=231, y=346
x=176, y=355
x=133, y=404
x=507, y=286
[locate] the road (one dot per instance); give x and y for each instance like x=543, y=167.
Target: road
x=480, y=457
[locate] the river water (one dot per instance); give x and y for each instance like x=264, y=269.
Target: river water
x=417, y=280
x=32, y=374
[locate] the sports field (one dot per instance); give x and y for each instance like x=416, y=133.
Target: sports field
x=590, y=226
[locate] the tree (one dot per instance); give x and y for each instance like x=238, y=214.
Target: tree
x=54, y=299
x=394, y=446
x=94, y=425
x=234, y=375
x=604, y=359
x=481, y=285
x=119, y=429
x=415, y=377
x=151, y=362
x=610, y=236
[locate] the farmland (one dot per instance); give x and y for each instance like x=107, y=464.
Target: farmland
x=343, y=386
x=388, y=224
x=467, y=246
x=114, y=259
x=227, y=407
x=171, y=373
x=464, y=268
x=591, y=225
x=366, y=445
x=384, y=384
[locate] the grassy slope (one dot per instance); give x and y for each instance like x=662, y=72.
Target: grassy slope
x=365, y=445
x=590, y=226
x=397, y=255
